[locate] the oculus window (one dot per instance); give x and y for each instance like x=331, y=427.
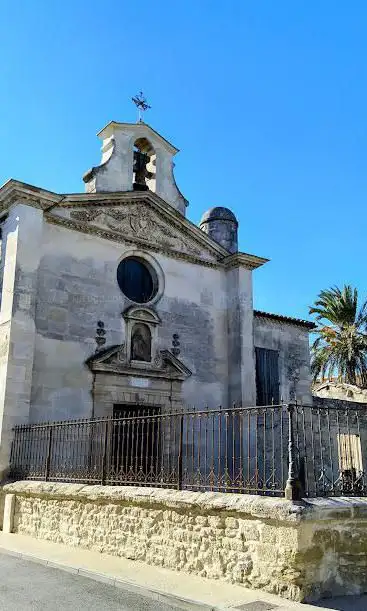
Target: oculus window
x=137, y=280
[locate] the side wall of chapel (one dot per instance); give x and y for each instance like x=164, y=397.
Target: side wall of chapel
x=291, y=341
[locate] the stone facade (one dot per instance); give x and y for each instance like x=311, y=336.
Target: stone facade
x=78, y=287
x=300, y=551
x=60, y=255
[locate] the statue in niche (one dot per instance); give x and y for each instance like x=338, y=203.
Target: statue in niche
x=141, y=343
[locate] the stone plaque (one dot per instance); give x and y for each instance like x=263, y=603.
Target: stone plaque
x=140, y=382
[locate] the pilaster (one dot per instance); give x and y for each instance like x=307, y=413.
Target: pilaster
x=22, y=238
x=241, y=361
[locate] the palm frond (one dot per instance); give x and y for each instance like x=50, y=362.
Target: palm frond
x=340, y=347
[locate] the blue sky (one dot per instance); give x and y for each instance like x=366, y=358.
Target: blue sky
x=265, y=100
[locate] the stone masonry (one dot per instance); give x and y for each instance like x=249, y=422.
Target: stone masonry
x=300, y=551
x=59, y=278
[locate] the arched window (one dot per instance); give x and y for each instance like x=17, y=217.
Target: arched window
x=144, y=165
x=141, y=343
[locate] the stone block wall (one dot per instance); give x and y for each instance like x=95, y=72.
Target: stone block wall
x=334, y=403
x=300, y=551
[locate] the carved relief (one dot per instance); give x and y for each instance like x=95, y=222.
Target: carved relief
x=85, y=215
x=118, y=357
x=139, y=221
x=158, y=360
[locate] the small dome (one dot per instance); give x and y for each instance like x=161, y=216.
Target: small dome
x=219, y=213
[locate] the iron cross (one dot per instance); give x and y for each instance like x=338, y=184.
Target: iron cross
x=141, y=104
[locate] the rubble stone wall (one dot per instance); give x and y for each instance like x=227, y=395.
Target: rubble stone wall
x=300, y=551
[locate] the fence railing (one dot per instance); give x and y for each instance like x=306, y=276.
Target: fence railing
x=275, y=450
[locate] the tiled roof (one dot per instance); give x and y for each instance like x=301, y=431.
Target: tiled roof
x=287, y=319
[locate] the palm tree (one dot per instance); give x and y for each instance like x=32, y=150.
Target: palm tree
x=340, y=348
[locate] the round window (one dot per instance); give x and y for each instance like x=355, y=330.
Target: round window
x=136, y=280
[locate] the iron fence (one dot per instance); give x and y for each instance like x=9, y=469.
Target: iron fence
x=275, y=450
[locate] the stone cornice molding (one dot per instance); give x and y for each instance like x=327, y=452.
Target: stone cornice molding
x=14, y=191
x=115, y=236
x=280, y=319
x=112, y=360
x=141, y=313
x=242, y=259
x=171, y=215
x=112, y=126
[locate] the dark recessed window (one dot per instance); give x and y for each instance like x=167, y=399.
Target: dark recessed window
x=136, y=280
x=267, y=376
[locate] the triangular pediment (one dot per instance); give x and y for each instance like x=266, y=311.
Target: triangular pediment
x=132, y=217
x=113, y=360
x=139, y=218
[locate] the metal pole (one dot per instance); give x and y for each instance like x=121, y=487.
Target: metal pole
x=48, y=457
x=179, y=458
x=104, y=455
x=293, y=489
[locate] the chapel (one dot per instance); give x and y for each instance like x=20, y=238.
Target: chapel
x=113, y=299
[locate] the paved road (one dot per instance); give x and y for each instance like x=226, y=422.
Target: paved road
x=27, y=586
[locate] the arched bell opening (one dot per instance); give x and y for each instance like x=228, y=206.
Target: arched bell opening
x=144, y=167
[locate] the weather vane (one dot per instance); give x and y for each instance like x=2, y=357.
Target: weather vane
x=141, y=104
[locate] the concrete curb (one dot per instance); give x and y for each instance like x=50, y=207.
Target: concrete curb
x=157, y=595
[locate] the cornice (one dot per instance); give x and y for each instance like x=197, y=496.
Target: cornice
x=153, y=200
x=170, y=367
x=112, y=126
x=15, y=191
x=289, y=320
x=242, y=259
x=131, y=371
x=123, y=239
